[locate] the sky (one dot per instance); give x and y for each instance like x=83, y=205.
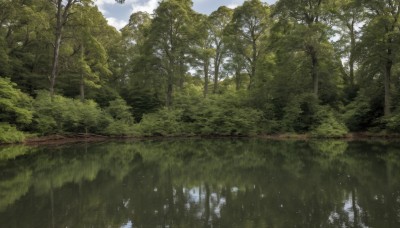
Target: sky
x=118, y=14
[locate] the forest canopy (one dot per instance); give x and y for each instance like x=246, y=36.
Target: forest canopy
x=321, y=67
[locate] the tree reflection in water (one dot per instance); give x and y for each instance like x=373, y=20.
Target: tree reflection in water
x=202, y=183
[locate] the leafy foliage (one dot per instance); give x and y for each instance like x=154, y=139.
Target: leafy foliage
x=15, y=106
x=300, y=113
x=10, y=134
x=295, y=66
x=358, y=114
x=67, y=115
x=330, y=128
x=165, y=122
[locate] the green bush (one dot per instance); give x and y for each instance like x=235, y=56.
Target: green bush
x=165, y=122
x=219, y=115
x=392, y=123
x=358, y=115
x=15, y=106
x=67, y=115
x=121, y=123
x=300, y=113
x=119, y=110
x=231, y=121
x=195, y=115
x=10, y=134
x=270, y=126
x=120, y=128
x=328, y=126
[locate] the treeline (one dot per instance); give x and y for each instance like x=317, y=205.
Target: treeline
x=323, y=67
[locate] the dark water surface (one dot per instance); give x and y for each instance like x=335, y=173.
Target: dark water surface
x=201, y=183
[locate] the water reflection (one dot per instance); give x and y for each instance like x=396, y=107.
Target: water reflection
x=202, y=183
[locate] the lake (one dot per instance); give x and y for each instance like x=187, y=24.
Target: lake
x=201, y=183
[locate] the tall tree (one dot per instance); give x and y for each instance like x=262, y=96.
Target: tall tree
x=348, y=16
x=24, y=35
x=169, y=36
x=250, y=23
x=202, y=49
x=381, y=40
x=311, y=32
x=218, y=21
x=63, y=14
x=92, y=61
x=137, y=58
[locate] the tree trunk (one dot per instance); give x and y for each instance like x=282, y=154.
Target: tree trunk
x=82, y=88
x=253, y=65
x=314, y=70
x=217, y=63
x=351, y=57
x=388, y=98
x=56, y=50
x=181, y=71
x=82, y=84
x=206, y=78
x=238, y=79
x=170, y=86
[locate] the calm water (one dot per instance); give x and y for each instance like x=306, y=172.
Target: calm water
x=201, y=183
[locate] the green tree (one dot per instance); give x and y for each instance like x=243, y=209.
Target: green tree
x=380, y=43
x=310, y=34
x=203, y=49
x=218, y=21
x=142, y=82
x=169, y=39
x=64, y=11
x=250, y=23
x=24, y=36
x=92, y=59
x=348, y=16
x=136, y=57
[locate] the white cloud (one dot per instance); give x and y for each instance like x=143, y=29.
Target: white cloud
x=148, y=6
x=134, y=5
x=101, y=5
x=118, y=24
x=104, y=2
x=232, y=6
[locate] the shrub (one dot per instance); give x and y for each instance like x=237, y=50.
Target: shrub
x=329, y=126
x=232, y=121
x=10, y=134
x=121, y=119
x=165, y=122
x=219, y=115
x=299, y=113
x=90, y=117
x=393, y=123
x=119, y=128
x=358, y=115
x=15, y=106
x=119, y=110
x=67, y=115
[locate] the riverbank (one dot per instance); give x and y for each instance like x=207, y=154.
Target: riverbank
x=63, y=139
x=350, y=136
x=73, y=138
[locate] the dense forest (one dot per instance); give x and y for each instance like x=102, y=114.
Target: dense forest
x=320, y=67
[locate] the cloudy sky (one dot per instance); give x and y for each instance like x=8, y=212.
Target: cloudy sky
x=118, y=15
